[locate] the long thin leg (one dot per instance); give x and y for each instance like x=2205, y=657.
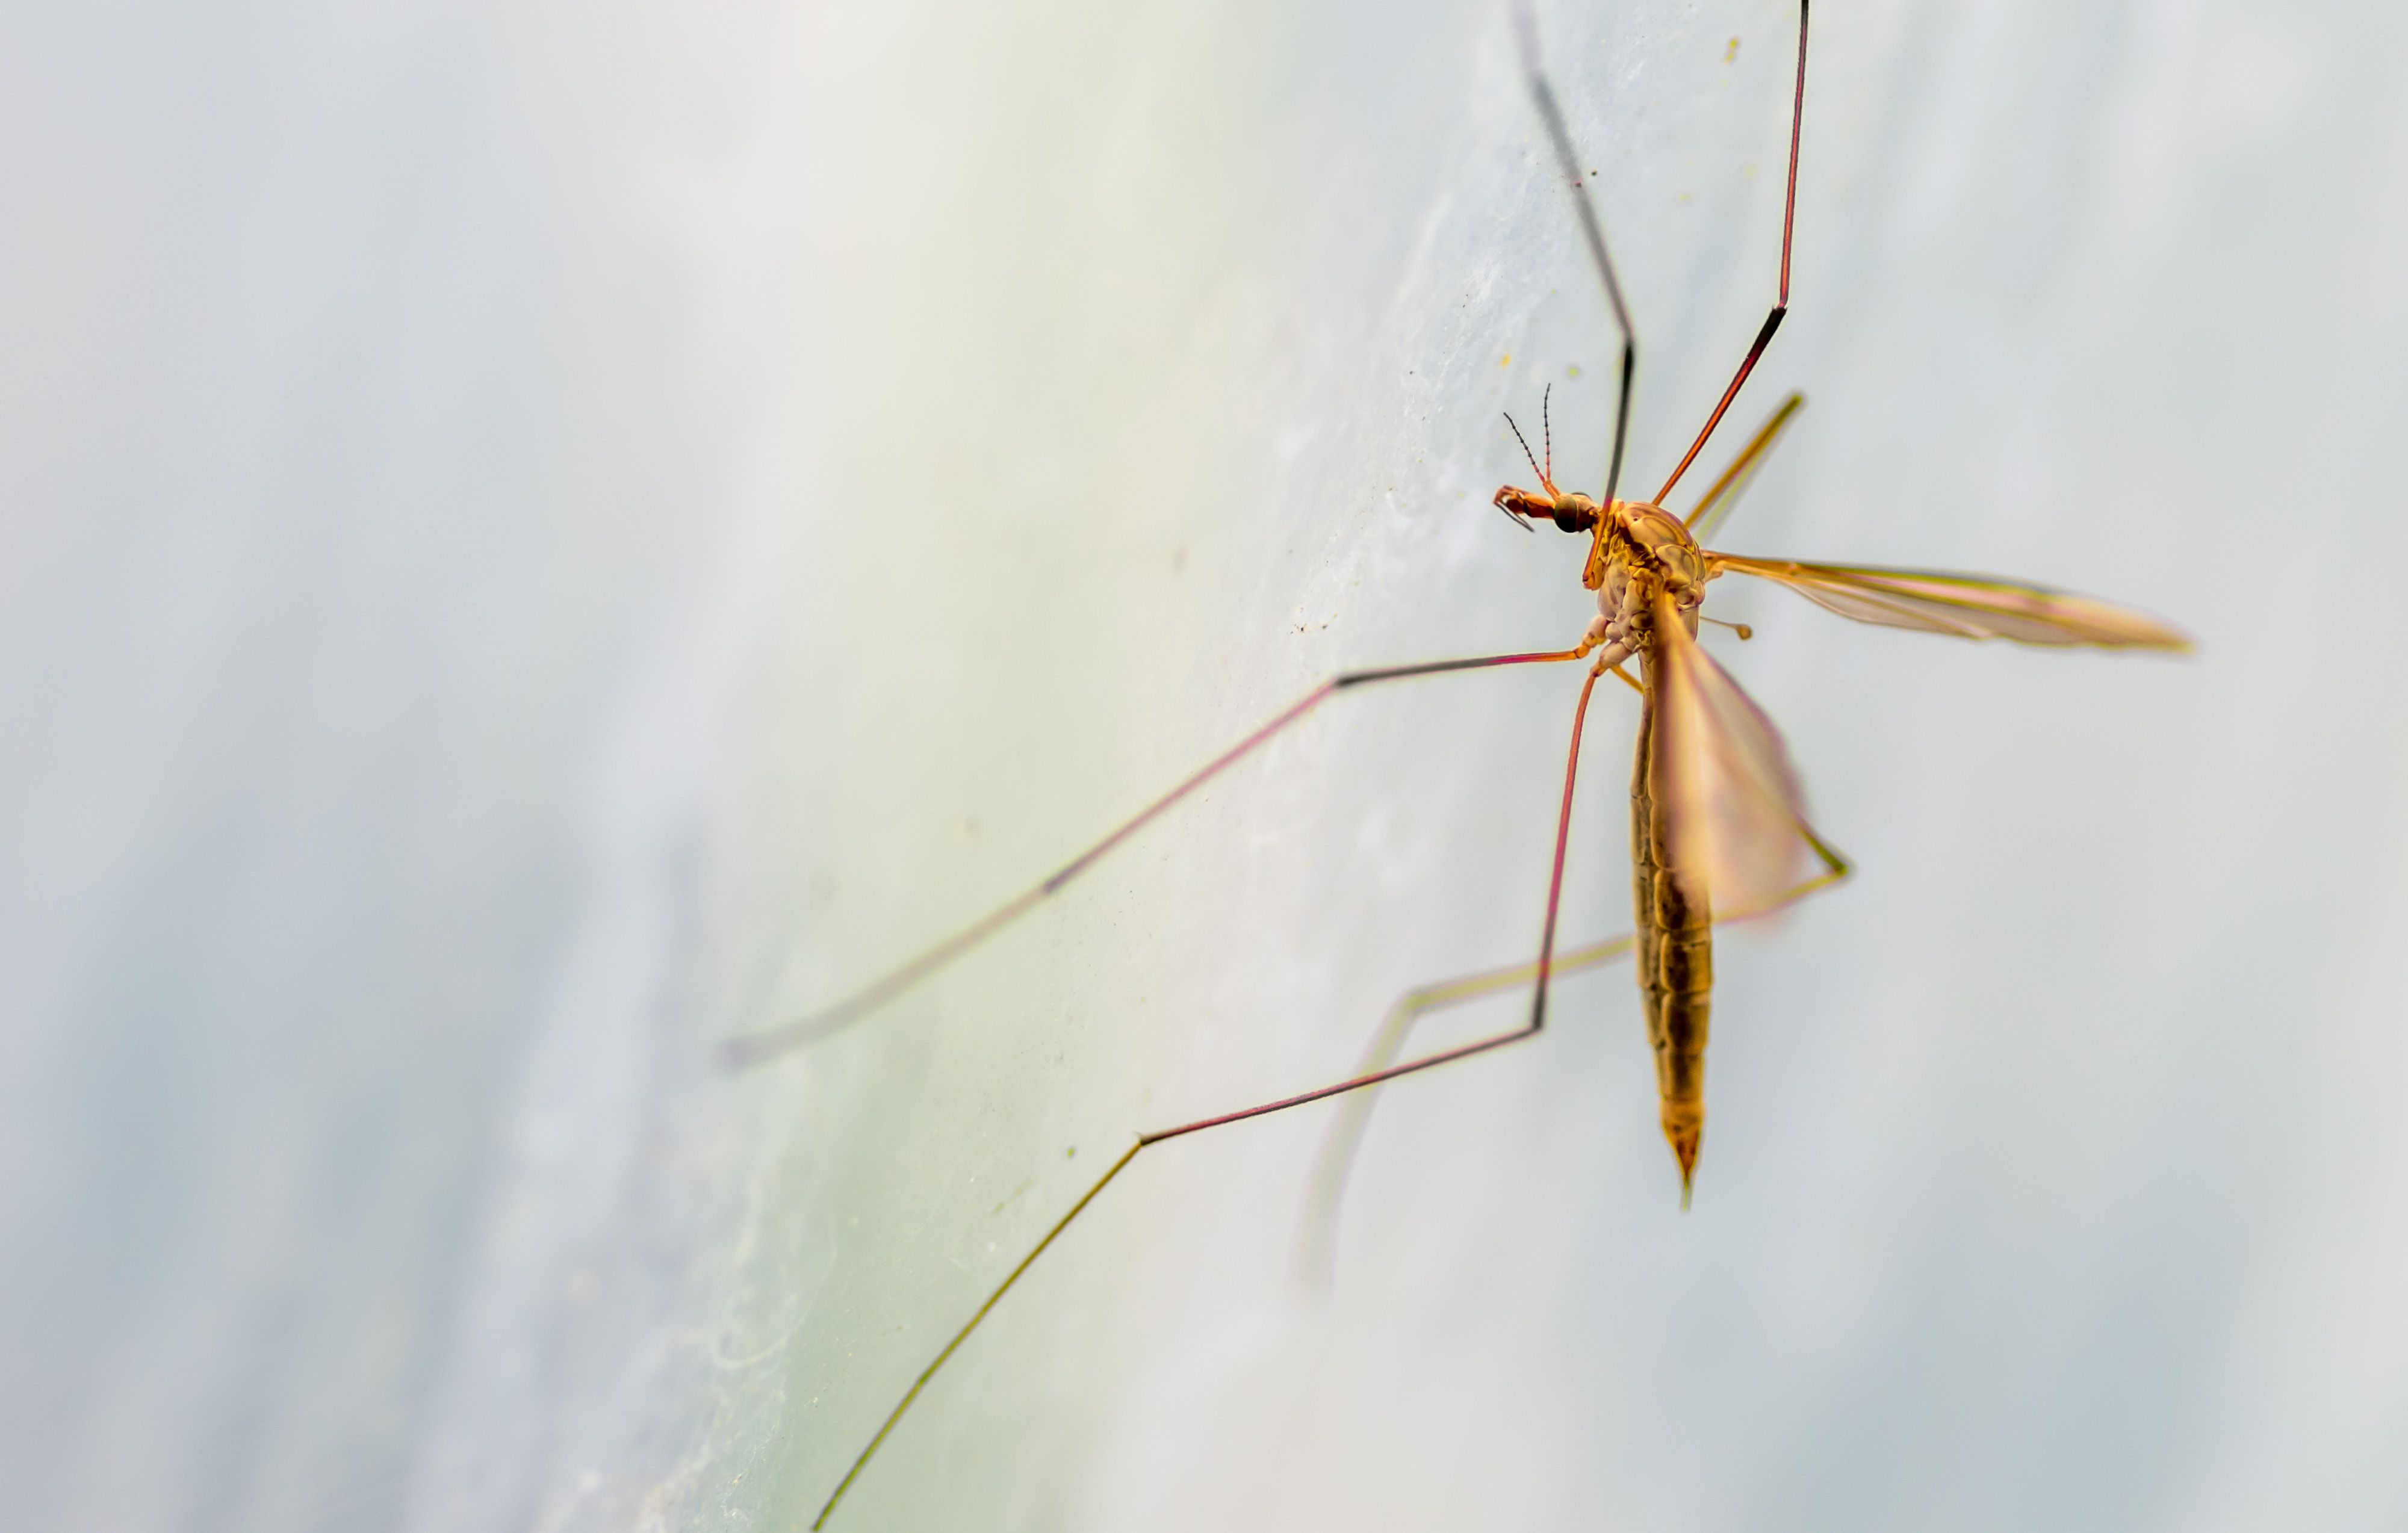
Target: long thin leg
x=1563, y=836
x=1716, y=506
x=1162, y=1136
x=1781, y=305
x=1526, y=32
x=752, y=1049
x=1317, y=1242
x=1317, y=1245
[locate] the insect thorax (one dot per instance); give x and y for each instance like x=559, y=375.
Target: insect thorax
x=1639, y=550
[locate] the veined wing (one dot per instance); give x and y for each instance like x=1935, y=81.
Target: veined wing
x=1735, y=821
x=1966, y=605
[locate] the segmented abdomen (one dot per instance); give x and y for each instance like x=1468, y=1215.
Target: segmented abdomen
x=1676, y=962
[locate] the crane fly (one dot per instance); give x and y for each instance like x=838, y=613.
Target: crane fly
x=1719, y=831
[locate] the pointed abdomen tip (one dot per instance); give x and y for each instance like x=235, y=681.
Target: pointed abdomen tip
x=1684, y=1133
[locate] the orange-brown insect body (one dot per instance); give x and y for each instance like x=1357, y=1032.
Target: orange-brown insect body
x=1635, y=551
x=1676, y=930
x=1639, y=550
x=1639, y=553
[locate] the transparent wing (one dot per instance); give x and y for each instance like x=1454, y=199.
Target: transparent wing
x=1966, y=605
x=1735, y=823
x=1716, y=506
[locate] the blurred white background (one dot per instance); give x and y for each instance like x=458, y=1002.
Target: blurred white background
x=539, y=537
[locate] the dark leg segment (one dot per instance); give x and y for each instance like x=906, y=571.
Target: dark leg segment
x=1781, y=305
x=1526, y=32
x=1316, y=1246
x=1317, y=1240
x=1445, y=1056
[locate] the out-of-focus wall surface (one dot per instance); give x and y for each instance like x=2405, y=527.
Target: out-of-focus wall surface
x=533, y=540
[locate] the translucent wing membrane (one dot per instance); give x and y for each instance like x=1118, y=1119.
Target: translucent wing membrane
x=1966, y=605
x=1737, y=825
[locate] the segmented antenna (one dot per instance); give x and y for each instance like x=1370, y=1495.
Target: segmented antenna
x=1509, y=514
x=1547, y=433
